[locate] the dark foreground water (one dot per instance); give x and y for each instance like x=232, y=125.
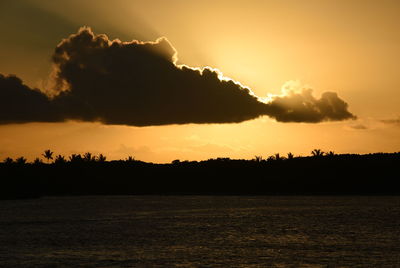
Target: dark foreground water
x=200, y=231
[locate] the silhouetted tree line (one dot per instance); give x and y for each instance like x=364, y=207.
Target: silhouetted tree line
x=322, y=173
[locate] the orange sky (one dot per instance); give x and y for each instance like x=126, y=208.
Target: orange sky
x=350, y=47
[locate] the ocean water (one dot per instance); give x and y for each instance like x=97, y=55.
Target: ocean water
x=200, y=231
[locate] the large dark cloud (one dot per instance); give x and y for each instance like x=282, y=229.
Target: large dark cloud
x=19, y=103
x=139, y=83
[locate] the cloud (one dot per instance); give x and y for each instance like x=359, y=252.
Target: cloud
x=359, y=127
x=136, y=152
x=19, y=103
x=297, y=104
x=395, y=121
x=140, y=84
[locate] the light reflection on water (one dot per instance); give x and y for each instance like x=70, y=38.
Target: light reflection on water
x=200, y=231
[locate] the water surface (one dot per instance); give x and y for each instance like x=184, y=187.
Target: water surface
x=200, y=231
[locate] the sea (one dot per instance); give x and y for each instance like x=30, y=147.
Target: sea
x=201, y=231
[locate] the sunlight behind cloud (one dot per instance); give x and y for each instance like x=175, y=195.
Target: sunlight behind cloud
x=262, y=44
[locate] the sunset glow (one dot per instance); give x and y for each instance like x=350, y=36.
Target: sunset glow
x=337, y=59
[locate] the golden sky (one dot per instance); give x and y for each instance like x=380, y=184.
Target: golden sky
x=349, y=47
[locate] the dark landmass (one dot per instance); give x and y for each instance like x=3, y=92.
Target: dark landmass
x=330, y=174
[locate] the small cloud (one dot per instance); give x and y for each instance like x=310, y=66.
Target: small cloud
x=359, y=127
x=394, y=121
x=133, y=151
x=297, y=104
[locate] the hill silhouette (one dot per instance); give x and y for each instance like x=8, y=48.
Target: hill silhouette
x=319, y=174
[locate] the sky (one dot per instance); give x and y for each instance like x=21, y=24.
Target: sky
x=296, y=75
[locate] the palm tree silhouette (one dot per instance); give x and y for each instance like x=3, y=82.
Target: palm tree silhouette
x=101, y=158
x=20, y=160
x=48, y=155
x=130, y=159
x=75, y=158
x=37, y=161
x=60, y=159
x=290, y=156
x=88, y=157
x=330, y=153
x=257, y=158
x=8, y=161
x=317, y=153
